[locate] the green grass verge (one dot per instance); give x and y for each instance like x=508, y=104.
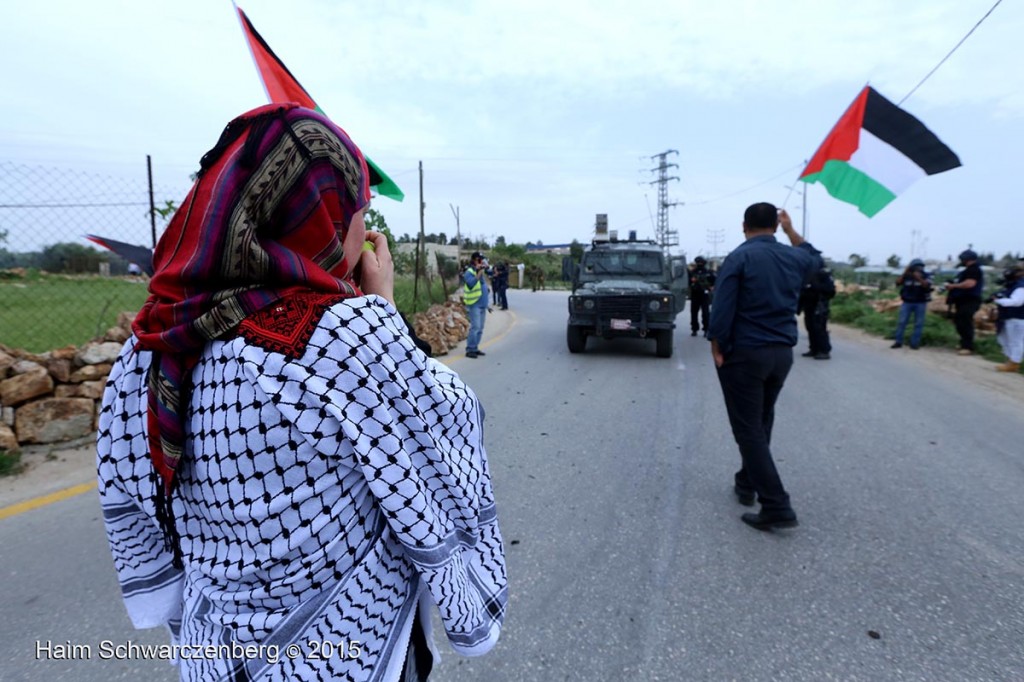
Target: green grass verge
x=10, y=463
x=42, y=312
x=855, y=310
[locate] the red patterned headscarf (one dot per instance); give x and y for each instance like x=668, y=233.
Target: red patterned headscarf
x=264, y=220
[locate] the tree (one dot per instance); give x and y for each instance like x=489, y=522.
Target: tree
x=893, y=261
x=857, y=260
x=375, y=221
x=500, y=241
x=576, y=251
x=67, y=257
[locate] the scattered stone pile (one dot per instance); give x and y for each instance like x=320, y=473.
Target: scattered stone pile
x=984, y=319
x=55, y=396
x=442, y=326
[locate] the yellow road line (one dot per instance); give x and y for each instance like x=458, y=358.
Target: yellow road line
x=489, y=342
x=43, y=500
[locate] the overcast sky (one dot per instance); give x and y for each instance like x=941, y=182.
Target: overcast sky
x=532, y=116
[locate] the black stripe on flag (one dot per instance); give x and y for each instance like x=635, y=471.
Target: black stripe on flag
x=901, y=130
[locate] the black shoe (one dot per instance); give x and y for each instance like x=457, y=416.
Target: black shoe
x=481, y=353
x=913, y=347
x=808, y=354
x=472, y=353
x=822, y=356
x=693, y=333
x=744, y=496
x=896, y=345
x=767, y=523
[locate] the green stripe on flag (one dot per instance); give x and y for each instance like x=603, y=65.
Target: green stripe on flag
x=386, y=187
x=853, y=186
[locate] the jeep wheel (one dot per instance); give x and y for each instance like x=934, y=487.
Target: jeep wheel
x=664, y=341
x=576, y=339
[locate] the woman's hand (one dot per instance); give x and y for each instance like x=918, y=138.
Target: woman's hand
x=377, y=270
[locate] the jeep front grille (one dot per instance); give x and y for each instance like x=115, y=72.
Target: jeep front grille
x=627, y=307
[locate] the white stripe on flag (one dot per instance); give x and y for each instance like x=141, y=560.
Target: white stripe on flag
x=885, y=164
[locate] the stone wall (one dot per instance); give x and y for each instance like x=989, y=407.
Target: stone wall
x=55, y=396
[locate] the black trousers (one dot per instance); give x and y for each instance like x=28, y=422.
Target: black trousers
x=963, y=318
x=418, y=659
x=816, y=324
x=751, y=380
x=699, y=304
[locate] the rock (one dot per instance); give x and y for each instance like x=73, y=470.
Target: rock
x=98, y=353
x=442, y=326
x=90, y=373
x=54, y=419
x=117, y=335
x=65, y=353
x=22, y=387
x=125, y=319
x=6, y=360
x=25, y=367
x=59, y=369
x=87, y=389
x=8, y=441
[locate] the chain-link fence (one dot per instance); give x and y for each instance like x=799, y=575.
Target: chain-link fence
x=58, y=287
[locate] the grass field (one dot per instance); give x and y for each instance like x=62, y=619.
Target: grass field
x=855, y=310
x=43, y=312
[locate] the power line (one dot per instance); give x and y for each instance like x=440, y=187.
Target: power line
x=955, y=48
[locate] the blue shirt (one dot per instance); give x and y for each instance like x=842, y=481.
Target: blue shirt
x=757, y=291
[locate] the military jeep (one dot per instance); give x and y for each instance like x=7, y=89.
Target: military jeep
x=626, y=288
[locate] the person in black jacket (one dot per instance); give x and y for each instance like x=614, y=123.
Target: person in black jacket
x=815, y=301
x=915, y=290
x=702, y=283
x=964, y=294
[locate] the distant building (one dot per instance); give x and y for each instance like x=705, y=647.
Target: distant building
x=549, y=248
x=450, y=251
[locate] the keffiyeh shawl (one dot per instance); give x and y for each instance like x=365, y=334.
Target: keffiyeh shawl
x=264, y=220
x=329, y=478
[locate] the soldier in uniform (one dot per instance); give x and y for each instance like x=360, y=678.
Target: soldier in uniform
x=702, y=282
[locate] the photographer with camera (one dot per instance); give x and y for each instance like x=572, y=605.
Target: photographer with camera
x=964, y=294
x=915, y=291
x=475, y=298
x=1010, y=325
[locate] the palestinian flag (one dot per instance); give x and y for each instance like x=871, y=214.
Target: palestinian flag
x=282, y=86
x=875, y=152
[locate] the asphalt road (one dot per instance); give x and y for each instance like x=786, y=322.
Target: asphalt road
x=627, y=559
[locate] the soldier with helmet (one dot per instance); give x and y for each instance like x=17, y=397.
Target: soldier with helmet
x=915, y=290
x=702, y=283
x=964, y=294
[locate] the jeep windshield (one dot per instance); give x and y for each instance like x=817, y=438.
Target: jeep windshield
x=624, y=263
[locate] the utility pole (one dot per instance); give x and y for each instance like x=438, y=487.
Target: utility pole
x=419, y=248
x=665, y=237
x=458, y=233
x=715, y=237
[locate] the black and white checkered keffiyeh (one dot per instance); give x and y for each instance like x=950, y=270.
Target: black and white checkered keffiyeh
x=321, y=501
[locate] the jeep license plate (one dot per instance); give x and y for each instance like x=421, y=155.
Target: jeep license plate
x=621, y=324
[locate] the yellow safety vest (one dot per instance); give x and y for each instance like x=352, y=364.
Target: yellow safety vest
x=471, y=295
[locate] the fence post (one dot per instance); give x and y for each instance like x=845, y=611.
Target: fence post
x=152, y=206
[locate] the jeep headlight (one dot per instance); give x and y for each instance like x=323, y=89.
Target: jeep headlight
x=657, y=304
x=654, y=305
x=588, y=304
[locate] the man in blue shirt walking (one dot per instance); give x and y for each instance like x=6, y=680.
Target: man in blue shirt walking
x=753, y=330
